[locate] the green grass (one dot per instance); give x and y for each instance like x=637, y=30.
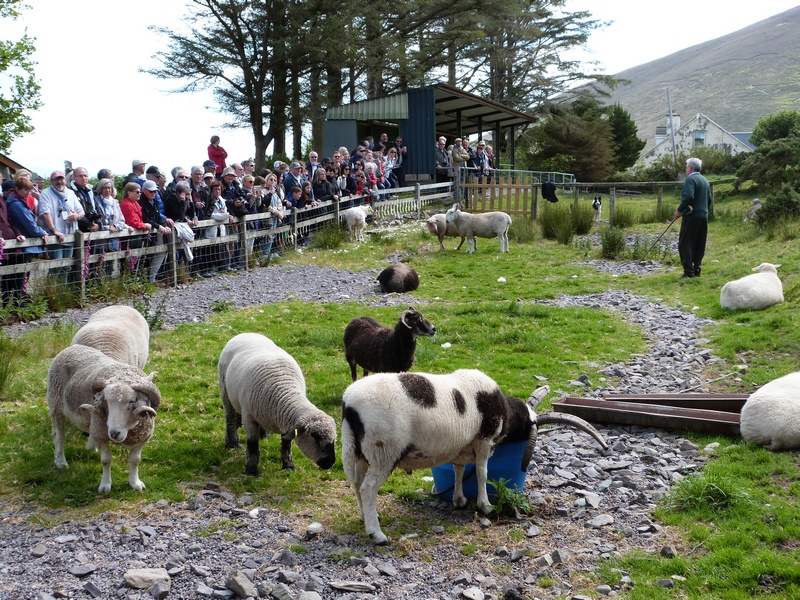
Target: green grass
x=739, y=519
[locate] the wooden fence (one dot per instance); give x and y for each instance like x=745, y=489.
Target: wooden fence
x=244, y=234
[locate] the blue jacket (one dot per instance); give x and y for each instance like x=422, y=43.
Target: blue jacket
x=22, y=218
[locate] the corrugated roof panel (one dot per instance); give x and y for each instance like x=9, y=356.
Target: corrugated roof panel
x=394, y=107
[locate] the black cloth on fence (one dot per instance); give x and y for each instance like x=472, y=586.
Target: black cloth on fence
x=549, y=191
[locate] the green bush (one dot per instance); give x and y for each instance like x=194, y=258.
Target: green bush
x=331, y=236
x=582, y=218
x=612, y=242
x=623, y=217
x=564, y=232
x=522, y=230
x=552, y=218
x=779, y=207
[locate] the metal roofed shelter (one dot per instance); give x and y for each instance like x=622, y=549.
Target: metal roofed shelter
x=420, y=116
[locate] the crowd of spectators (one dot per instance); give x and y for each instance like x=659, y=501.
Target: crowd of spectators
x=151, y=204
x=460, y=159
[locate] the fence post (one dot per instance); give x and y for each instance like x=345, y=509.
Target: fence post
x=172, y=257
x=418, y=199
x=612, y=197
x=243, y=240
x=79, y=253
x=711, y=203
x=660, y=190
x=294, y=227
x=535, y=206
x=575, y=192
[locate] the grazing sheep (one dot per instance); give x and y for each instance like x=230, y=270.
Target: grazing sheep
x=771, y=415
x=438, y=226
x=415, y=421
x=378, y=349
x=757, y=292
x=108, y=399
x=120, y=332
x=398, y=278
x=262, y=387
x=485, y=225
x=355, y=219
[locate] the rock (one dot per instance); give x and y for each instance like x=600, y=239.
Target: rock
x=241, y=585
x=159, y=590
x=142, y=579
x=473, y=593
x=600, y=521
x=83, y=570
x=668, y=552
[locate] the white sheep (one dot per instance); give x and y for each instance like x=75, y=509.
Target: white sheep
x=355, y=219
x=415, y=421
x=771, y=415
x=757, y=292
x=263, y=388
x=120, y=332
x=484, y=225
x=437, y=225
x=110, y=400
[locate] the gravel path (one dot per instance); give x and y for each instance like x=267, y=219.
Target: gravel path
x=589, y=505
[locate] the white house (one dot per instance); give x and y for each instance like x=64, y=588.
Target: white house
x=699, y=132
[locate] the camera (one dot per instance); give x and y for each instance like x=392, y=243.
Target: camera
x=94, y=217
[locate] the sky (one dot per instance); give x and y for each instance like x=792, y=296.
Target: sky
x=101, y=112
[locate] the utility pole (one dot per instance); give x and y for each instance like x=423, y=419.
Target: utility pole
x=672, y=132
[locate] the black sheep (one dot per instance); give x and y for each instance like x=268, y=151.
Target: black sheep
x=399, y=278
x=378, y=349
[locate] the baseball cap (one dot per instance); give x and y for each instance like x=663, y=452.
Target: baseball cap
x=296, y=165
x=209, y=163
x=208, y=176
x=228, y=171
x=153, y=171
x=57, y=174
x=150, y=186
x=360, y=149
x=277, y=164
x=137, y=163
x=8, y=184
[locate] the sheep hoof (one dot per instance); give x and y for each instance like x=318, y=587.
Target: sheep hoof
x=288, y=467
x=138, y=485
x=379, y=539
x=104, y=488
x=62, y=464
x=460, y=502
x=486, y=509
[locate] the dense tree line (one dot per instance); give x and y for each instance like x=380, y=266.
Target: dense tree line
x=275, y=64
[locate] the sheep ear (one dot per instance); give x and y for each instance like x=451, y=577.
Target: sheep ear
x=150, y=377
x=89, y=407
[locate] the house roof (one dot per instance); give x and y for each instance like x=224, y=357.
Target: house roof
x=476, y=114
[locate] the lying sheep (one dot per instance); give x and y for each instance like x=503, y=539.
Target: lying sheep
x=398, y=278
x=262, y=387
x=438, y=226
x=355, y=219
x=120, y=332
x=757, y=292
x=378, y=349
x=485, y=225
x=108, y=399
x=416, y=421
x=771, y=415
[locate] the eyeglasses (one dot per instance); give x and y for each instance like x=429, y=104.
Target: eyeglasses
x=183, y=177
x=136, y=191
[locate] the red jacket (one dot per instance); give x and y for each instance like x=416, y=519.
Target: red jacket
x=132, y=213
x=218, y=155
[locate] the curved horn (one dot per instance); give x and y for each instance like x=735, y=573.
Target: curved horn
x=404, y=316
x=144, y=409
x=537, y=395
x=528, y=452
x=149, y=389
x=551, y=417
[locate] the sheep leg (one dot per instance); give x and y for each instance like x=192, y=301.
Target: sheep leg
x=482, y=470
x=459, y=499
x=504, y=241
x=105, y=460
x=253, y=457
x=365, y=372
x=58, y=439
x=352, y=361
x=286, y=450
x=134, y=459
x=233, y=421
x=470, y=244
x=461, y=243
x=373, y=481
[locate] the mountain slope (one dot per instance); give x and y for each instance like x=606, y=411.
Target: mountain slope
x=735, y=79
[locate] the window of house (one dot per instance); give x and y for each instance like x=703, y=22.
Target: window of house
x=699, y=138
